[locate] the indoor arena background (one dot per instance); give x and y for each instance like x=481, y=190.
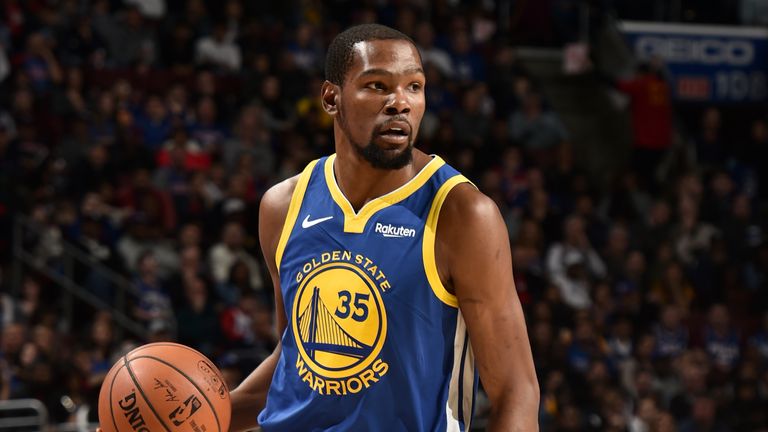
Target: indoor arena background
x=625, y=142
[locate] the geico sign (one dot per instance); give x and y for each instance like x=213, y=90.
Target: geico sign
x=707, y=51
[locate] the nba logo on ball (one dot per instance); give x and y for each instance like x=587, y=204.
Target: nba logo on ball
x=164, y=386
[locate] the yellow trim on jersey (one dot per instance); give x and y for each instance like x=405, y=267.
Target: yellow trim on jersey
x=428, y=245
x=355, y=222
x=293, y=211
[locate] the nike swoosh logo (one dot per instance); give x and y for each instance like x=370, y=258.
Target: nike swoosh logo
x=306, y=223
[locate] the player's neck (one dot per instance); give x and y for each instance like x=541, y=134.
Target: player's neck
x=360, y=182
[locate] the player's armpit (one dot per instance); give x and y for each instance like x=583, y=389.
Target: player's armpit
x=473, y=249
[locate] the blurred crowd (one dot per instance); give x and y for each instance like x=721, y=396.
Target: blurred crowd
x=744, y=12
x=144, y=132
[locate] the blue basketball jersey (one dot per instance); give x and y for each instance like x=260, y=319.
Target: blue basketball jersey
x=374, y=342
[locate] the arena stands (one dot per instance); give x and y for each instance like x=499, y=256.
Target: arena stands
x=137, y=137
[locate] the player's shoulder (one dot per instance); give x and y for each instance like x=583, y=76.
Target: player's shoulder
x=273, y=211
x=275, y=203
x=467, y=214
x=466, y=204
x=277, y=198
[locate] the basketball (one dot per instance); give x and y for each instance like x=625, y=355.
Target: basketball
x=164, y=387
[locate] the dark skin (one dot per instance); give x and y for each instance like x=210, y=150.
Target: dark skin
x=386, y=82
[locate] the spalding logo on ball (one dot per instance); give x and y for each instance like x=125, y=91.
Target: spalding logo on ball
x=164, y=387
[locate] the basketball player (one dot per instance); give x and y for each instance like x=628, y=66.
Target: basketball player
x=392, y=273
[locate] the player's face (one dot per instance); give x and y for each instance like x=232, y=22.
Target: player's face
x=382, y=102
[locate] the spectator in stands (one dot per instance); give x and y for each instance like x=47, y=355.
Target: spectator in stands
x=628, y=202
x=721, y=340
x=665, y=422
x=206, y=129
x=102, y=123
x=502, y=76
x=95, y=168
x=673, y=288
x=217, y=51
x=759, y=341
x=585, y=346
x=14, y=335
x=152, y=9
x=191, y=265
x=174, y=177
x=573, y=264
x=634, y=275
x=32, y=300
x=710, y=146
x=10, y=309
x=620, y=344
x=472, y=121
x=657, y=225
x=178, y=50
x=230, y=250
x=646, y=415
x=238, y=282
x=692, y=236
x=69, y=101
x=129, y=38
x=616, y=250
x=101, y=348
x=431, y=54
x=278, y=114
x=6, y=375
x=177, y=103
x=198, y=324
x=305, y=49
x=251, y=138
x=541, y=210
x=41, y=65
x=154, y=122
x=154, y=303
x=671, y=334
x=539, y=132
x=528, y=255
x=718, y=200
x=468, y=64
x=82, y=46
x=184, y=150
x=237, y=321
x=704, y=416
x=651, y=109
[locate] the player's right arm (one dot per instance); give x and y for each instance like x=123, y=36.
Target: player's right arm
x=249, y=397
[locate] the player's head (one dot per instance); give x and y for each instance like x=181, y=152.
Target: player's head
x=374, y=90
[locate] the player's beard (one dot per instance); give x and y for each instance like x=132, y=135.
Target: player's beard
x=378, y=157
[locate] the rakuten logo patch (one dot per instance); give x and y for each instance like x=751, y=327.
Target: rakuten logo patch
x=394, y=231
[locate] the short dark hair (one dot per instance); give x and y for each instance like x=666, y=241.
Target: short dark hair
x=340, y=53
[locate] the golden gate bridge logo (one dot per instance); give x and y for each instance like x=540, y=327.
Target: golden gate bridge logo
x=320, y=332
x=338, y=321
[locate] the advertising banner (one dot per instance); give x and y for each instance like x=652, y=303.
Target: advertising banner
x=706, y=63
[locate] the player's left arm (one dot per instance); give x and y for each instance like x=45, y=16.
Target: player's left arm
x=474, y=261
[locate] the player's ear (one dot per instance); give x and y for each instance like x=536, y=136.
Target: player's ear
x=329, y=96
